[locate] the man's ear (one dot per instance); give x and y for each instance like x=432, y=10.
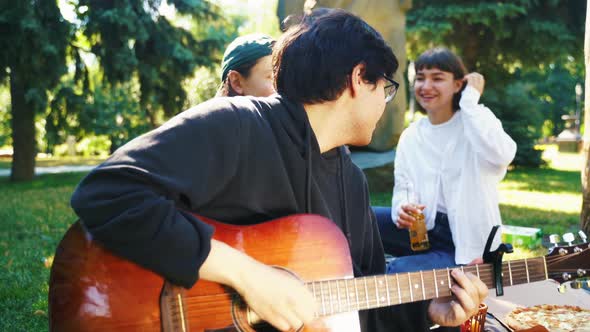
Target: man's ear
x=356, y=79
x=235, y=81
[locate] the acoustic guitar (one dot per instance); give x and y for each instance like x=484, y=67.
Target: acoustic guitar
x=91, y=289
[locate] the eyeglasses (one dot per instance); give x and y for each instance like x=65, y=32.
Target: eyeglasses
x=390, y=89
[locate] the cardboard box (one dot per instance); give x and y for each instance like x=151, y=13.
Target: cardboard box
x=522, y=236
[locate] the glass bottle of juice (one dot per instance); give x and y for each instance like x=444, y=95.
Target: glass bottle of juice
x=418, y=232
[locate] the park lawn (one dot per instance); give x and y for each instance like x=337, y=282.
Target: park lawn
x=36, y=214
x=549, y=197
x=58, y=161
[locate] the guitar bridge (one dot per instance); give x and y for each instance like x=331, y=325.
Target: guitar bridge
x=172, y=308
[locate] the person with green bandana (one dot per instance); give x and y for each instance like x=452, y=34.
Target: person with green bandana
x=246, y=68
x=248, y=160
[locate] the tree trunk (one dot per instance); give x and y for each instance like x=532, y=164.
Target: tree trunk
x=151, y=113
x=471, y=52
x=23, y=131
x=585, y=213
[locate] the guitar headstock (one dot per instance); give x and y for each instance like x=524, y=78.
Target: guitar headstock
x=568, y=263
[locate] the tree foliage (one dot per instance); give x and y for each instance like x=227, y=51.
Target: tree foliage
x=499, y=39
x=114, y=112
x=131, y=41
x=521, y=119
x=33, y=41
x=143, y=60
x=499, y=34
x=132, y=38
x=554, y=91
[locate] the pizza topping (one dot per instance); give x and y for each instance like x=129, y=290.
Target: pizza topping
x=553, y=317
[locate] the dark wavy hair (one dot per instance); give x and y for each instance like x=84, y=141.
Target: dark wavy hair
x=312, y=61
x=445, y=60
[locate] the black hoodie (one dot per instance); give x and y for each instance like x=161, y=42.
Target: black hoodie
x=237, y=160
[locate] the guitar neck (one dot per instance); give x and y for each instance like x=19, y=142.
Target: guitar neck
x=344, y=295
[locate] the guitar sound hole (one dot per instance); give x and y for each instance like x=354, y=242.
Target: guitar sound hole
x=240, y=313
x=264, y=327
x=241, y=323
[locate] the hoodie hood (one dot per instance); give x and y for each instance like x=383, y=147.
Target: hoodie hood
x=296, y=123
x=297, y=126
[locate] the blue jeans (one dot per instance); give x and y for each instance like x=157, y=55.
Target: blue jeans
x=396, y=242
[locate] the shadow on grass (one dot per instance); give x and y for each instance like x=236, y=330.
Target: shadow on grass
x=545, y=180
x=58, y=161
x=43, y=181
x=380, y=179
x=550, y=222
x=37, y=210
x=380, y=199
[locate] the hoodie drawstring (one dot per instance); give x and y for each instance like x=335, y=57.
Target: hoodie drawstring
x=308, y=169
x=344, y=205
x=344, y=208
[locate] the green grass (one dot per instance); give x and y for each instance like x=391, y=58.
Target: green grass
x=34, y=217
x=36, y=214
x=58, y=161
x=548, y=198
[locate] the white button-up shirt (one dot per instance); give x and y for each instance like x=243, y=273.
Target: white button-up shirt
x=455, y=167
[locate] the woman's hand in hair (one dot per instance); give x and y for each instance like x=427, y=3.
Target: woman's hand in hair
x=404, y=215
x=476, y=80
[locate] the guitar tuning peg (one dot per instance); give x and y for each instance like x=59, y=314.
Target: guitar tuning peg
x=554, y=239
x=583, y=236
x=569, y=238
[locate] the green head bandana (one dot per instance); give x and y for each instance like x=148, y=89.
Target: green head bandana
x=244, y=50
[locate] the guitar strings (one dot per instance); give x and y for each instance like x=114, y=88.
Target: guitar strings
x=342, y=306
x=519, y=272
x=518, y=269
x=324, y=291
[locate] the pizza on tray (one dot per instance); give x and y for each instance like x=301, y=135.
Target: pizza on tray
x=558, y=318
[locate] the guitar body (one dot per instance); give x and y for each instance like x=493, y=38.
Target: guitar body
x=91, y=289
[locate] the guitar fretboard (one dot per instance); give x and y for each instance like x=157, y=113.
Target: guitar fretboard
x=344, y=295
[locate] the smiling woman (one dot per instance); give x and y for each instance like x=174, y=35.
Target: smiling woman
x=527, y=196
x=453, y=160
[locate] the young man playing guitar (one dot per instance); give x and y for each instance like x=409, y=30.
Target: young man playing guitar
x=245, y=160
